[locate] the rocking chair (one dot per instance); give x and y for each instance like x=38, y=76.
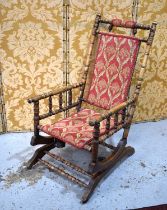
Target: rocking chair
x=108, y=71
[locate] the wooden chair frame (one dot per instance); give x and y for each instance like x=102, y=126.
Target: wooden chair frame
x=98, y=167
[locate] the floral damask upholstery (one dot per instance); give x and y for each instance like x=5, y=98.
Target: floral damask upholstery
x=128, y=23
x=75, y=130
x=115, y=61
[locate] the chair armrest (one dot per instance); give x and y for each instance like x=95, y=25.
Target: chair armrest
x=52, y=93
x=112, y=111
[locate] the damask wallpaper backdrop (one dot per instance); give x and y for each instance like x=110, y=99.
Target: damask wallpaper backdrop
x=30, y=53
x=31, y=56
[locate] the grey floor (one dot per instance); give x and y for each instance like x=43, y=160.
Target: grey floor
x=139, y=181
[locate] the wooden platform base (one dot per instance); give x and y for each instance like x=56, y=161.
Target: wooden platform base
x=112, y=164
x=100, y=169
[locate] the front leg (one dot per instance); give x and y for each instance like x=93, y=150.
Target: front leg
x=37, y=139
x=36, y=119
x=95, y=146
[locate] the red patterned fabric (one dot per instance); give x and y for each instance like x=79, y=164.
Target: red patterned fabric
x=119, y=22
x=75, y=130
x=115, y=61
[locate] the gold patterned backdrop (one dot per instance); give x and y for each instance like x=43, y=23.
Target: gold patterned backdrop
x=31, y=39
x=30, y=53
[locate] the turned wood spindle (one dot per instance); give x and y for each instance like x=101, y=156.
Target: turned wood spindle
x=81, y=89
x=123, y=115
x=50, y=104
x=36, y=118
x=108, y=124
x=70, y=97
x=90, y=50
x=116, y=119
x=95, y=142
x=60, y=100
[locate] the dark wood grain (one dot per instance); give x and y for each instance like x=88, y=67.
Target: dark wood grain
x=122, y=115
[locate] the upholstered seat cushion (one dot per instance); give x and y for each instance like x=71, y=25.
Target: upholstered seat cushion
x=75, y=130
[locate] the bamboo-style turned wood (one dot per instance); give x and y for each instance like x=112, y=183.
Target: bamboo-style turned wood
x=63, y=172
x=107, y=145
x=95, y=143
x=68, y=163
x=134, y=14
x=2, y=105
x=111, y=132
x=146, y=54
x=137, y=25
x=36, y=118
x=152, y=33
x=90, y=50
x=96, y=24
x=140, y=39
x=60, y=101
x=112, y=111
x=70, y=97
x=66, y=47
x=107, y=124
x=86, y=64
x=129, y=122
x=116, y=119
x=122, y=115
x=52, y=93
x=80, y=98
x=50, y=104
x=66, y=44
x=63, y=109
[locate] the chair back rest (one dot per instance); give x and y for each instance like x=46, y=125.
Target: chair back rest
x=113, y=69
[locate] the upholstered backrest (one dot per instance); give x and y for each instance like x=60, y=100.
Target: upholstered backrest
x=114, y=64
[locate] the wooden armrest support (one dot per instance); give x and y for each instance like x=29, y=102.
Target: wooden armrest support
x=112, y=111
x=58, y=111
x=52, y=93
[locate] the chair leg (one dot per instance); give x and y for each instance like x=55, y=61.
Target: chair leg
x=95, y=147
x=39, y=153
x=127, y=151
x=88, y=192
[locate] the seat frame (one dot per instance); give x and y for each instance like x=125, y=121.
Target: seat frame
x=98, y=166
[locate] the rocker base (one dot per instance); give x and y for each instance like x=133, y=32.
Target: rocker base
x=111, y=165
x=100, y=169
